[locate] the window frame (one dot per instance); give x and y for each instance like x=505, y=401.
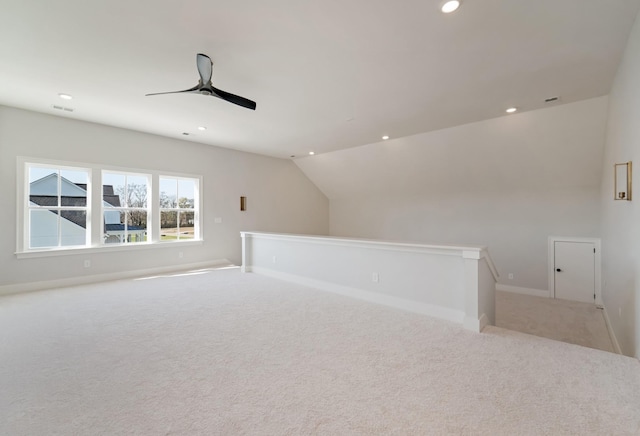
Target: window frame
x=59, y=208
x=127, y=208
x=178, y=209
x=95, y=209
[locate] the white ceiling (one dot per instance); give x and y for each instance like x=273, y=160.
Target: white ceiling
x=326, y=74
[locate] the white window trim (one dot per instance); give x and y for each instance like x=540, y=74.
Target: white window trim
x=148, y=209
x=196, y=207
x=26, y=207
x=94, y=199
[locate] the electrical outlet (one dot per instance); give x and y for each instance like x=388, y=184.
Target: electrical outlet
x=275, y=259
x=87, y=263
x=217, y=220
x=375, y=278
x=180, y=254
x=510, y=276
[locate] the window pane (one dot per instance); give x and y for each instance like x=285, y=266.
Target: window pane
x=113, y=227
x=75, y=176
x=137, y=218
x=43, y=228
x=186, y=225
x=168, y=192
x=136, y=226
x=136, y=191
x=113, y=190
x=77, y=199
x=168, y=225
x=186, y=194
x=73, y=227
x=73, y=187
x=50, y=188
x=43, y=186
x=125, y=227
x=38, y=173
x=178, y=193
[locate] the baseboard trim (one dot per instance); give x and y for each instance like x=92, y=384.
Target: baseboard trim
x=371, y=297
x=612, y=335
x=83, y=280
x=522, y=291
x=476, y=325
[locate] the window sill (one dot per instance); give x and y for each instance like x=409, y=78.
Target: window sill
x=104, y=249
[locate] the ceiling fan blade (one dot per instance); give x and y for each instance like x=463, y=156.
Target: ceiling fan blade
x=194, y=89
x=205, y=68
x=235, y=99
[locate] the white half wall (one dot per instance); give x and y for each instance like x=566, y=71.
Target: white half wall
x=456, y=283
x=507, y=183
x=621, y=219
x=279, y=196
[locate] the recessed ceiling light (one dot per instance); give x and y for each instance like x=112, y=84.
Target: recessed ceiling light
x=511, y=110
x=450, y=6
x=385, y=137
x=312, y=153
x=202, y=129
x=65, y=96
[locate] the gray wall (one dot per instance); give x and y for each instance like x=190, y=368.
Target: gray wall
x=280, y=197
x=508, y=183
x=621, y=219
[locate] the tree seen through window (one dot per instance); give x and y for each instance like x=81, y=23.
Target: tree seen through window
x=178, y=208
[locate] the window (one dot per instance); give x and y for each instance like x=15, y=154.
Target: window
x=178, y=208
x=57, y=206
x=125, y=207
x=70, y=206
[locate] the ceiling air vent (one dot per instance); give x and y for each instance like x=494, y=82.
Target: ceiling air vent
x=62, y=108
x=551, y=99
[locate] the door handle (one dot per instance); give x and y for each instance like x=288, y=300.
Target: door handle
x=558, y=269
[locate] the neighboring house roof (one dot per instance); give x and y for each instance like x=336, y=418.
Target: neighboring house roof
x=48, y=185
x=43, y=193
x=52, y=200
x=107, y=194
x=120, y=228
x=113, y=200
x=78, y=217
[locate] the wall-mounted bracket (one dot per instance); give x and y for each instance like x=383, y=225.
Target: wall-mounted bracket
x=622, y=181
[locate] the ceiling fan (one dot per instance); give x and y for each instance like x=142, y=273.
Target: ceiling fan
x=204, y=86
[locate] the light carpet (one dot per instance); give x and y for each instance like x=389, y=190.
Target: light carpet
x=225, y=353
x=562, y=320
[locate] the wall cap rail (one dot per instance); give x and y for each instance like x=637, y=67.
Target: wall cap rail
x=476, y=252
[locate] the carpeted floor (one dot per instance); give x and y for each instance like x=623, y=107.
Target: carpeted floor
x=225, y=353
x=568, y=321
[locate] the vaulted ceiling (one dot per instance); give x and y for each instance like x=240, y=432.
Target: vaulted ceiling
x=326, y=75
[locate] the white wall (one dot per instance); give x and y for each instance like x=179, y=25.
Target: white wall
x=508, y=183
x=621, y=219
x=279, y=196
x=450, y=282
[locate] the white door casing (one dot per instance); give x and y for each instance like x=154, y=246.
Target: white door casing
x=578, y=262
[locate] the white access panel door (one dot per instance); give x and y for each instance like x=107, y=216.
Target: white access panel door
x=575, y=271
